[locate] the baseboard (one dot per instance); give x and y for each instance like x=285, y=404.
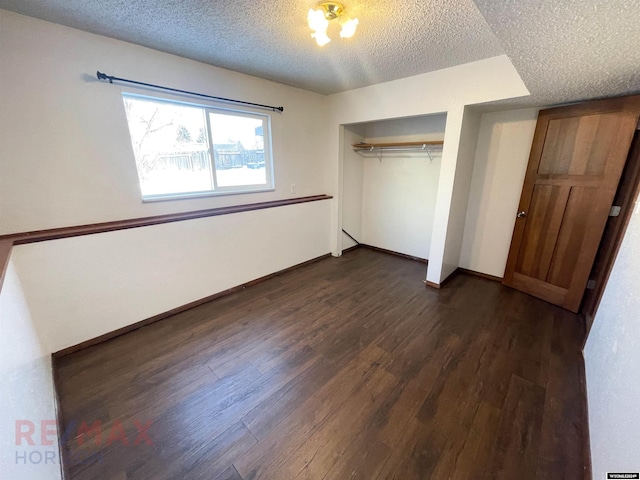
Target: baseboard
x=486, y=276
x=188, y=306
x=392, y=252
x=480, y=274
x=442, y=283
x=161, y=316
x=586, y=440
x=463, y=270
x=351, y=249
x=64, y=464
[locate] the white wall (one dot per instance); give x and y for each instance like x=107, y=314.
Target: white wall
x=445, y=91
x=460, y=192
x=501, y=157
x=435, y=92
x=406, y=129
x=399, y=194
x=26, y=392
x=612, y=361
x=64, y=142
x=82, y=287
x=66, y=159
x=352, y=178
x=436, y=268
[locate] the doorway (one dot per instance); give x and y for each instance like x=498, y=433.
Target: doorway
x=626, y=199
x=577, y=159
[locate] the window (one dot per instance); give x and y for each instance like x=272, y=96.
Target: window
x=174, y=144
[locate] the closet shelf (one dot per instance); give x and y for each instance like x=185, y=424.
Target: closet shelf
x=377, y=149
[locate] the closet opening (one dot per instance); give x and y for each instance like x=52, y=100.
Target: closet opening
x=390, y=172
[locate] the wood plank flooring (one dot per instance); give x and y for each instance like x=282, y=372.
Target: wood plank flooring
x=348, y=368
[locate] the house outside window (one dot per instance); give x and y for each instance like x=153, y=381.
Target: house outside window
x=184, y=150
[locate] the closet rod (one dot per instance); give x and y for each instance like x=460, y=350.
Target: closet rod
x=394, y=149
x=379, y=149
x=111, y=79
x=398, y=146
x=424, y=143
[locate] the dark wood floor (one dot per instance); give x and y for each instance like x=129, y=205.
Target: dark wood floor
x=346, y=368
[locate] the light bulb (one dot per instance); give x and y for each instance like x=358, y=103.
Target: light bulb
x=316, y=21
x=321, y=38
x=349, y=28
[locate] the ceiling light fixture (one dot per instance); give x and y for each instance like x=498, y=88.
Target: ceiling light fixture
x=319, y=19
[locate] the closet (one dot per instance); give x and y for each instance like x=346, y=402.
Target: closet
x=391, y=170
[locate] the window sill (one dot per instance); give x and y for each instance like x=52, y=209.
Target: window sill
x=187, y=196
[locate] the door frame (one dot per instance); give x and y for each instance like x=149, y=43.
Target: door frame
x=627, y=197
x=622, y=105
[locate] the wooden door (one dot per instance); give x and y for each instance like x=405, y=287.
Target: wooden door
x=577, y=158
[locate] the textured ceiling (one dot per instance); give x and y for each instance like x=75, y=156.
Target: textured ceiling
x=569, y=50
x=564, y=50
x=272, y=40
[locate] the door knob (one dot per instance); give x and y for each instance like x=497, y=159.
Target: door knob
x=522, y=214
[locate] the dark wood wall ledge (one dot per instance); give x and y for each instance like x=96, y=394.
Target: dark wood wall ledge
x=8, y=241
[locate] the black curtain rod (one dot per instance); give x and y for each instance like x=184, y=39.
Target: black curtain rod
x=104, y=76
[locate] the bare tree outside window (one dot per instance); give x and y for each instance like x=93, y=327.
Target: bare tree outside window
x=188, y=149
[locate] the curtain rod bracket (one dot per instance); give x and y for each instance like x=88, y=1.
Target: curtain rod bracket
x=111, y=78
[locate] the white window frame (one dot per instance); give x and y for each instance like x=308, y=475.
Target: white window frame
x=269, y=186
